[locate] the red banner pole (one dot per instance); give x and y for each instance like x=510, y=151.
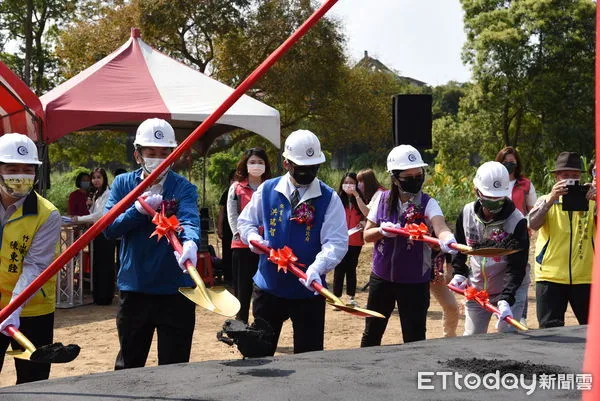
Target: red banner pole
x=108, y=218
x=592, y=347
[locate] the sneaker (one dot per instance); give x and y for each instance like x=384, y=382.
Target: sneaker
x=352, y=302
x=523, y=321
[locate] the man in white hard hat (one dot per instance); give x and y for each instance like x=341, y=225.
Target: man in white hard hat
x=30, y=234
x=300, y=211
x=150, y=273
x=492, y=220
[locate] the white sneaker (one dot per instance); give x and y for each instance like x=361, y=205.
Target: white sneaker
x=352, y=302
x=523, y=321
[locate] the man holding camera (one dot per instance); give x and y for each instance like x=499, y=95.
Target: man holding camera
x=566, y=222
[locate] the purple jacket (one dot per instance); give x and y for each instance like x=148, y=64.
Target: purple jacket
x=395, y=259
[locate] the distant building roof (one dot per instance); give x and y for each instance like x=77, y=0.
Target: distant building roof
x=372, y=64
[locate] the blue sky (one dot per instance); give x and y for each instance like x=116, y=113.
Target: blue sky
x=421, y=39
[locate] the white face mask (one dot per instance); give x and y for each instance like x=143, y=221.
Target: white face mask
x=18, y=185
x=348, y=188
x=256, y=170
x=150, y=164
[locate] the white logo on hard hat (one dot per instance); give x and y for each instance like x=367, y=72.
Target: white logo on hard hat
x=159, y=134
x=412, y=157
x=310, y=152
x=22, y=150
x=497, y=184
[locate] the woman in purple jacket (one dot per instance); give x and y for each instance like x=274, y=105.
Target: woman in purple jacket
x=402, y=267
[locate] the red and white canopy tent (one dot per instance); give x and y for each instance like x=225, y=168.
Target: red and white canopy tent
x=136, y=82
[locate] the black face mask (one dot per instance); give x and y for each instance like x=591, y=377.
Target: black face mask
x=411, y=185
x=304, y=175
x=510, y=166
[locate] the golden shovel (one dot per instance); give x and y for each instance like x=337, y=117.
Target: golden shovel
x=329, y=296
x=51, y=353
x=215, y=299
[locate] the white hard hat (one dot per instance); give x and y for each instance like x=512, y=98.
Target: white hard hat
x=492, y=179
x=404, y=157
x=155, y=132
x=18, y=148
x=303, y=148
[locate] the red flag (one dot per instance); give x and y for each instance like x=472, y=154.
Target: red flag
x=592, y=348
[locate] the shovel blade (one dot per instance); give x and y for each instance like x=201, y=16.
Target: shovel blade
x=226, y=303
x=362, y=312
x=25, y=355
x=198, y=297
x=55, y=353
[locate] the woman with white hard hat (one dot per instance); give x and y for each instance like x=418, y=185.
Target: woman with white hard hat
x=30, y=234
x=494, y=220
x=402, y=268
x=151, y=273
x=299, y=211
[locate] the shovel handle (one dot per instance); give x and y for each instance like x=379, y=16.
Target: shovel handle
x=20, y=338
x=491, y=308
x=428, y=239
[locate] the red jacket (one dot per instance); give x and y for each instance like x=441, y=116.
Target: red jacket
x=353, y=218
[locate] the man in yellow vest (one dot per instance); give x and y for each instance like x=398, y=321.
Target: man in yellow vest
x=30, y=230
x=564, y=249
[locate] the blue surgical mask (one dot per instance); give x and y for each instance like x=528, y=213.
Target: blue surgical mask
x=84, y=184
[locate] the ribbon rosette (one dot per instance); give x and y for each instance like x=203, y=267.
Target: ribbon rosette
x=165, y=224
x=416, y=231
x=283, y=257
x=481, y=297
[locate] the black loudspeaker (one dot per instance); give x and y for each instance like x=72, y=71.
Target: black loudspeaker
x=411, y=120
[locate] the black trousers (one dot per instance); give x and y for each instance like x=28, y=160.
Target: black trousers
x=413, y=303
x=552, y=299
x=172, y=316
x=39, y=330
x=308, y=318
x=347, y=269
x=104, y=270
x=226, y=257
x=245, y=264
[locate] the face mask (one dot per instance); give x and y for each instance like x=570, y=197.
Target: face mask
x=18, y=185
x=348, y=188
x=256, y=170
x=510, y=166
x=84, y=184
x=492, y=205
x=150, y=164
x=304, y=175
x=411, y=185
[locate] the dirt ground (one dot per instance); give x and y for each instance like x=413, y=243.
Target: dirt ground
x=93, y=328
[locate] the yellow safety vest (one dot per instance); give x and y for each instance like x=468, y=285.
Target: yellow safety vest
x=564, y=251
x=17, y=235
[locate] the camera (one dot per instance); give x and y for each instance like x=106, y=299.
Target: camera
x=575, y=199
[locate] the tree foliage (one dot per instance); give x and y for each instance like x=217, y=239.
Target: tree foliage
x=533, y=70
x=34, y=26
x=89, y=149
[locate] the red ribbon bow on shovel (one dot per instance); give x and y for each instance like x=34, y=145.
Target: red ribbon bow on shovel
x=165, y=225
x=416, y=231
x=481, y=297
x=283, y=258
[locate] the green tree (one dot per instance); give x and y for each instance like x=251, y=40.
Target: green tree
x=89, y=149
x=34, y=25
x=533, y=70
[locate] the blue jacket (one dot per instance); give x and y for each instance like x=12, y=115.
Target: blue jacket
x=148, y=266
